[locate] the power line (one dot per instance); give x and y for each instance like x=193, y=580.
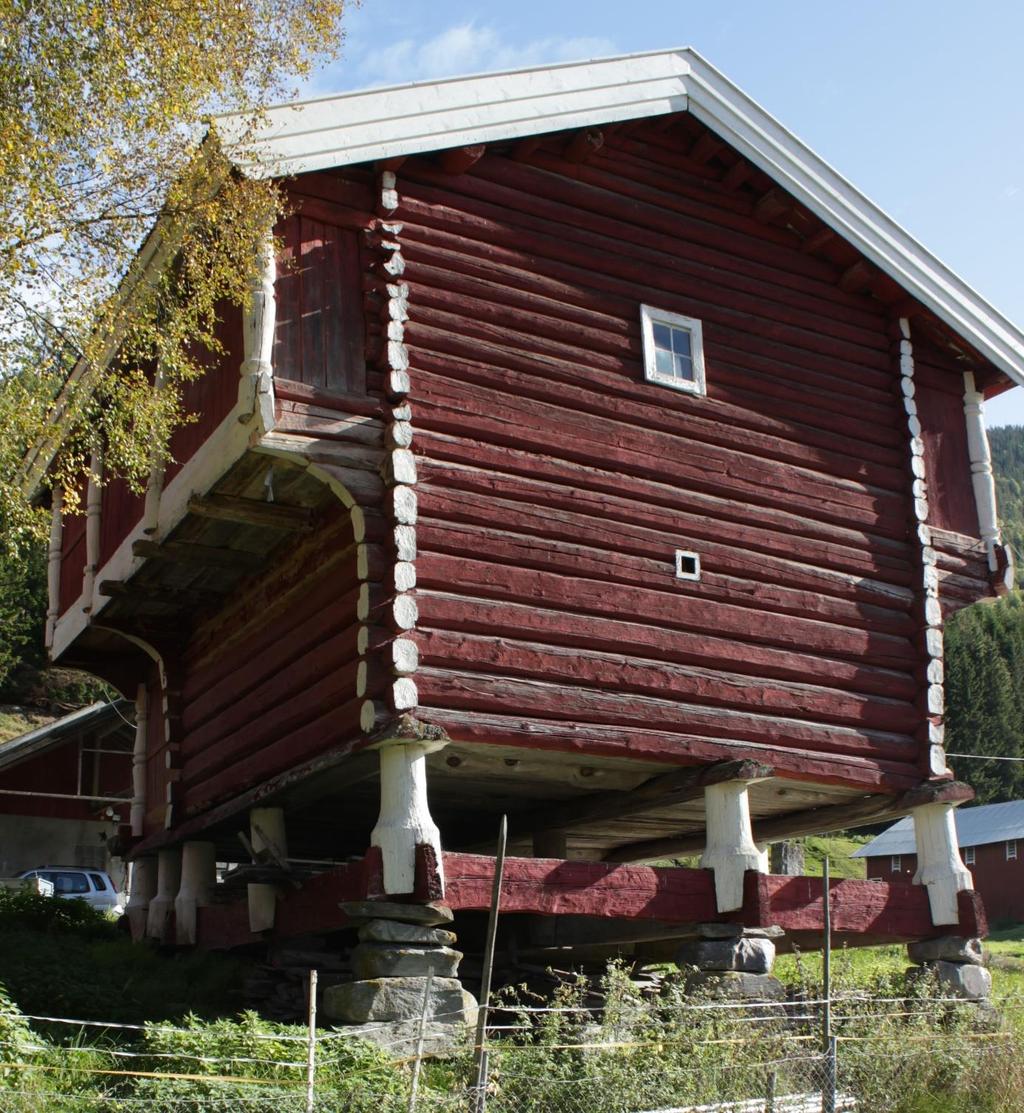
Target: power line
x=986, y=757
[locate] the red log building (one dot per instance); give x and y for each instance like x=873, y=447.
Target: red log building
x=592, y=453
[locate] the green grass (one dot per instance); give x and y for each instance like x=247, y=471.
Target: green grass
x=838, y=849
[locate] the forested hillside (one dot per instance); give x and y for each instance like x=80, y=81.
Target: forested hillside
x=985, y=653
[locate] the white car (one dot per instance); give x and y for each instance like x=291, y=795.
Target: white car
x=75, y=883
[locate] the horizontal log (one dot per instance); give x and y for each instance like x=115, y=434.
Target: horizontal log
x=445, y=615
x=543, y=519
x=463, y=690
x=627, y=674
x=655, y=570
x=667, y=746
x=249, y=512
x=482, y=578
x=323, y=422
x=537, y=480
x=289, y=390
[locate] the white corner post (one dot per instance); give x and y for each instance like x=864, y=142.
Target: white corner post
x=982, y=478
x=142, y=886
x=168, y=882
x=404, y=821
x=257, y=371
x=198, y=877
x=269, y=841
x=93, y=510
x=53, y=562
x=138, y=808
x=730, y=849
x=939, y=866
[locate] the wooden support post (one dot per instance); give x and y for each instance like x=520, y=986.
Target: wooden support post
x=53, y=563
x=198, y=877
x=939, y=866
x=982, y=478
x=168, y=884
x=404, y=821
x=266, y=834
x=138, y=808
x=141, y=890
x=256, y=387
x=730, y=849
x=93, y=509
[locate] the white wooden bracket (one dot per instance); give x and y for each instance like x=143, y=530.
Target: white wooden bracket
x=404, y=821
x=730, y=849
x=939, y=866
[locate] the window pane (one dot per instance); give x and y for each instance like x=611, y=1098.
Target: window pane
x=681, y=342
x=662, y=336
x=663, y=362
x=683, y=367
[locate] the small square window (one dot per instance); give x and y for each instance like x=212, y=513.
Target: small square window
x=968, y=855
x=673, y=349
x=1011, y=850
x=687, y=565
x=895, y=864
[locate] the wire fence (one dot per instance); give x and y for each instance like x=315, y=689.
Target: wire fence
x=612, y=1047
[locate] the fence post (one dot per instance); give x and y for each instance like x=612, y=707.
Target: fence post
x=828, y=1042
x=414, y=1088
x=480, y=1099
x=311, y=1046
x=773, y=1081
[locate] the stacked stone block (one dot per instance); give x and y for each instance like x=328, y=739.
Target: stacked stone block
x=956, y=964
x=732, y=961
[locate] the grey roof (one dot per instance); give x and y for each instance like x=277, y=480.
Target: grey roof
x=974, y=827
x=36, y=741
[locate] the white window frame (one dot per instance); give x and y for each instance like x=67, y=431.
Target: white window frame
x=969, y=855
x=1011, y=850
x=649, y=317
x=896, y=863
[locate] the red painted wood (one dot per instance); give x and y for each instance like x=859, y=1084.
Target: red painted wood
x=950, y=501
x=72, y=561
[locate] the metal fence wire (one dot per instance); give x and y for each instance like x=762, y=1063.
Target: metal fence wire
x=624, y=1050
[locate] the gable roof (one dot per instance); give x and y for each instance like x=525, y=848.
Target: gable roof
x=429, y=116
x=44, y=738
x=986, y=823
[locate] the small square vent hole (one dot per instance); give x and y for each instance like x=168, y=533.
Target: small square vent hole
x=687, y=565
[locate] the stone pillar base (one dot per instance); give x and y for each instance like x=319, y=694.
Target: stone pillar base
x=732, y=961
x=955, y=963
x=400, y=945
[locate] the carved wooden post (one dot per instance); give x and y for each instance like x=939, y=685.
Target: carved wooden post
x=93, y=509
x=53, y=565
x=939, y=866
x=168, y=874
x=138, y=809
x=142, y=889
x=155, y=482
x=198, y=876
x=730, y=849
x=981, y=468
x=266, y=833
x=404, y=822
x=257, y=381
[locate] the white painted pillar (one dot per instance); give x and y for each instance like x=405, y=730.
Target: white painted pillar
x=155, y=483
x=198, y=877
x=404, y=821
x=982, y=478
x=168, y=882
x=93, y=510
x=138, y=809
x=266, y=832
x=53, y=562
x=257, y=371
x=730, y=849
x=939, y=866
x=141, y=890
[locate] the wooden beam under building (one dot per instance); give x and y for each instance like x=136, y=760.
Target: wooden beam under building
x=249, y=512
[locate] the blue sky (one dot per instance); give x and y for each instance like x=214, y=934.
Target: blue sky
x=920, y=104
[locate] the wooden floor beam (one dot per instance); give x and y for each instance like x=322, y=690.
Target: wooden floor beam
x=249, y=512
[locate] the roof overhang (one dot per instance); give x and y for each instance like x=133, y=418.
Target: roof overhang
x=418, y=118
x=39, y=741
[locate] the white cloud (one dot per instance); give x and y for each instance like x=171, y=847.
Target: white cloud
x=468, y=48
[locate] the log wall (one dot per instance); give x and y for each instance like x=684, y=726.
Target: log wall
x=556, y=484
x=271, y=679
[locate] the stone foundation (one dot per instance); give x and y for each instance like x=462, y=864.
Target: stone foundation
x=400, y=947
x=955, y=963
x=731, y=961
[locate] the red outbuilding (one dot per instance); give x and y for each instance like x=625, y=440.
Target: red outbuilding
x=591, y=452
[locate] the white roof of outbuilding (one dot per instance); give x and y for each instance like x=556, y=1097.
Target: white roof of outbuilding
x=974, y=827
x=429, y=116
